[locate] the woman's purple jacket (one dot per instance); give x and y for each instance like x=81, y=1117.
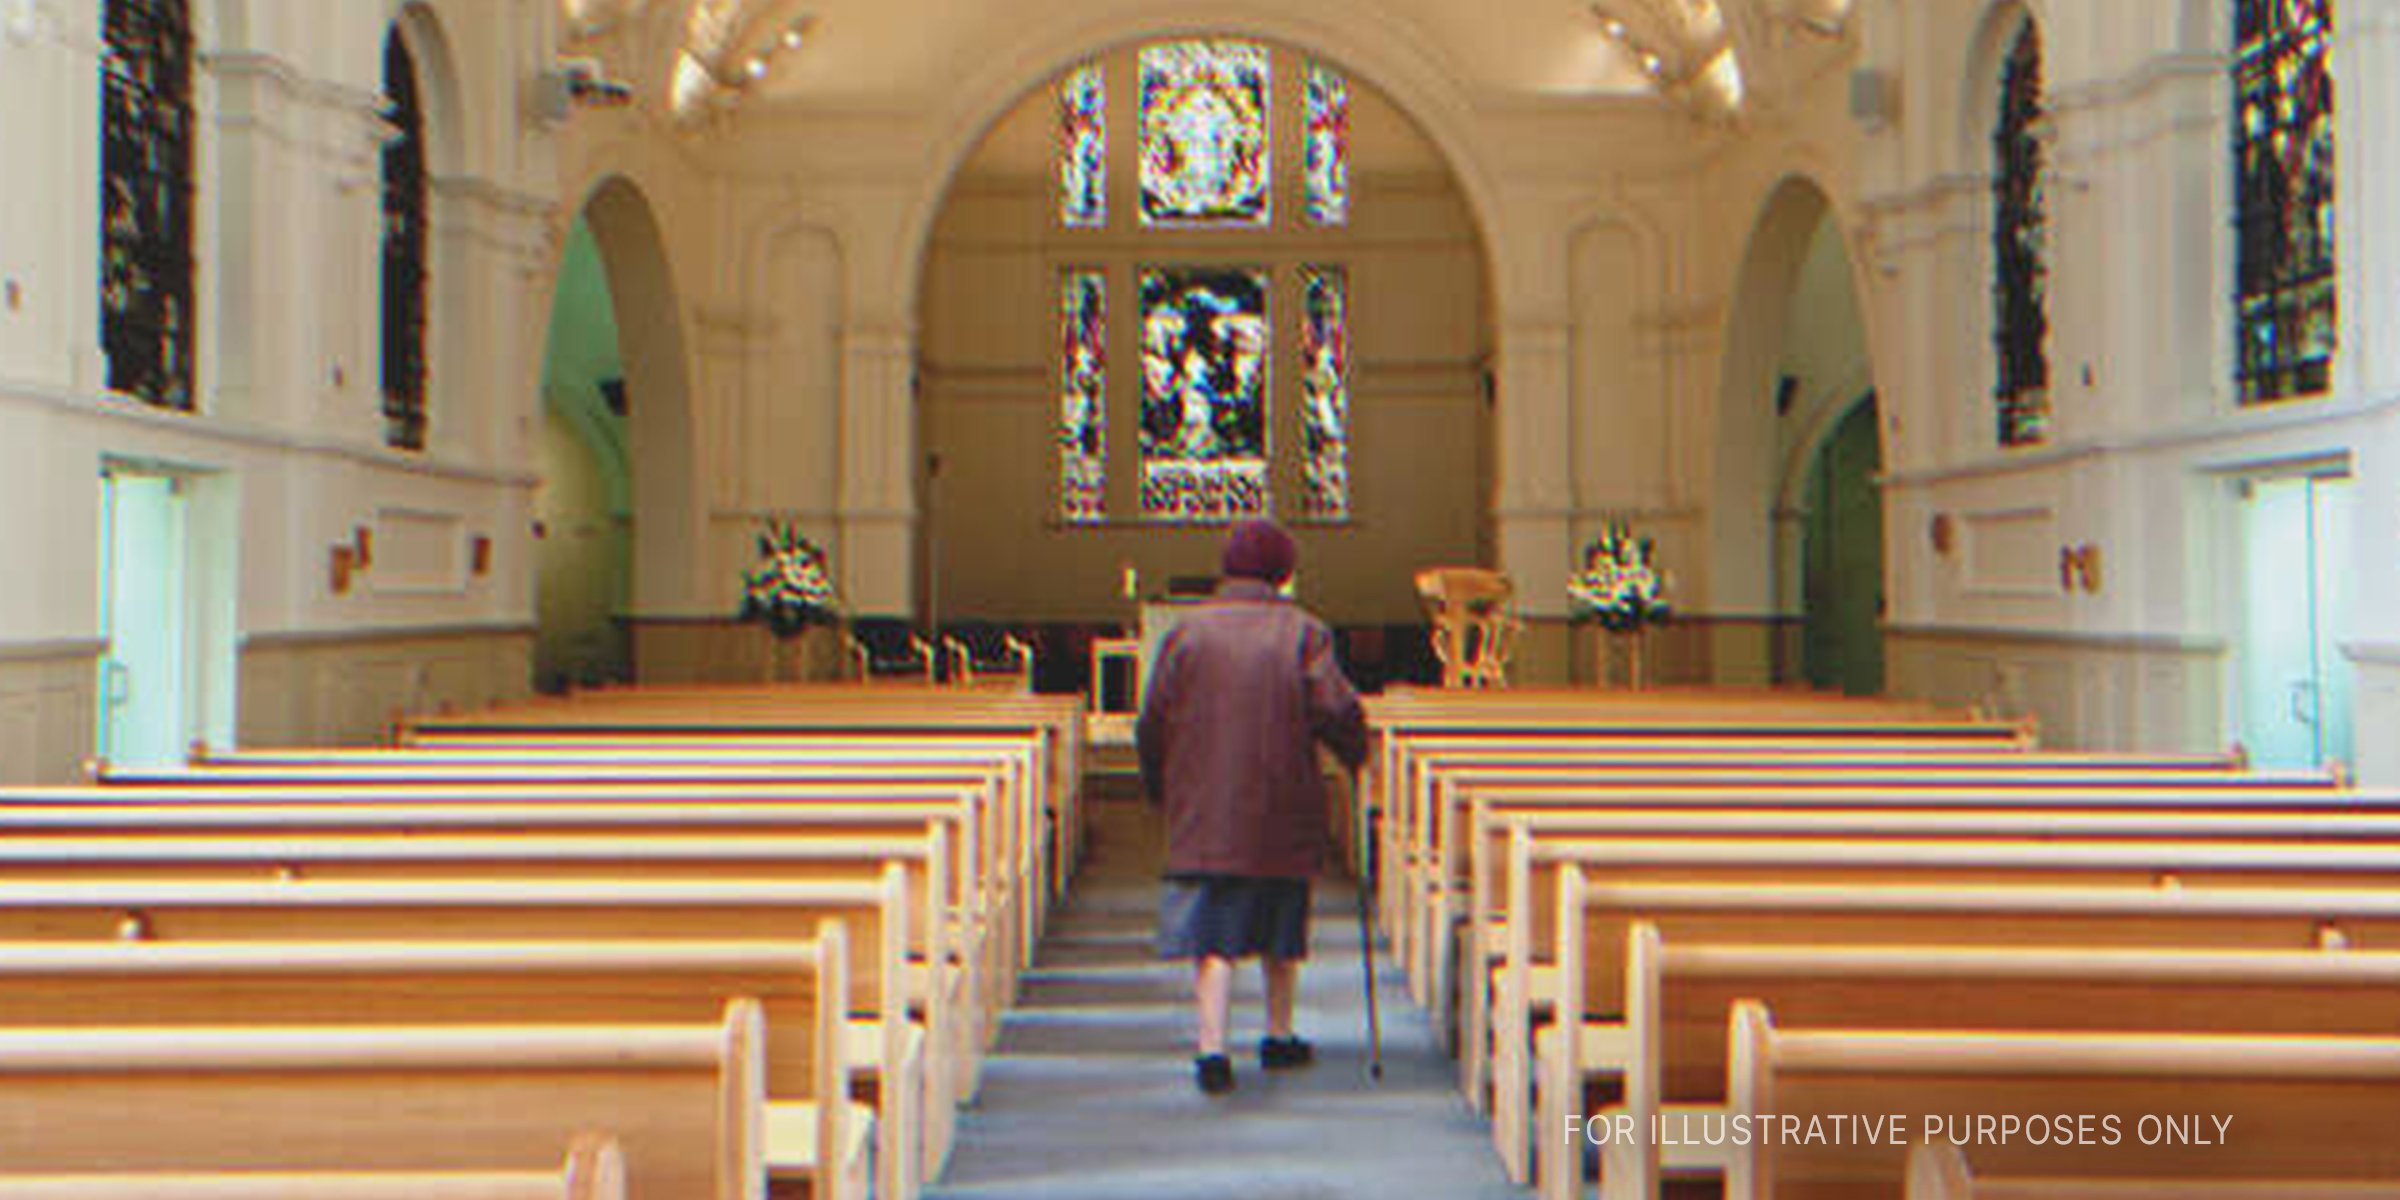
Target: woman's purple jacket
x=1244, y=689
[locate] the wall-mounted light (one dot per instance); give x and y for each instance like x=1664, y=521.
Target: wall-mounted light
x=555, y=93
x=23, y=21
x=2079, y=568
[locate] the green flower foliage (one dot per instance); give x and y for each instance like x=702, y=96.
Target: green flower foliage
x=791, y=588
x=1620, y=584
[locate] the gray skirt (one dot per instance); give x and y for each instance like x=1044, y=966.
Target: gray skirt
x=1231, y=916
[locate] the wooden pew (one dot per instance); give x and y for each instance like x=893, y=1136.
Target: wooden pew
x=1941, y=1172
x=718, y=711
x=995, y=863
x=1011, y=824
x=686, y=1101
x=1438, y=857
x=1394, y=795
x=523, y=910
x=800, y=987
x=2128, y=864
x=907, y=1083
x=1494, y=890
x=1592, y=977
x=1680, y=993
x=2308, y=1110
x=593, y=1169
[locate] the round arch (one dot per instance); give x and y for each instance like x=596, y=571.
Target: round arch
x=1338, y=31
x=668, y=523
x=1979, y=83
x=1748, y=466
x=439, y=90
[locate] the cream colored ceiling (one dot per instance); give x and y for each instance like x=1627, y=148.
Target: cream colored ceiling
x=876, y=54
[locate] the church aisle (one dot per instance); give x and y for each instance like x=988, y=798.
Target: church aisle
x=1089, y=1094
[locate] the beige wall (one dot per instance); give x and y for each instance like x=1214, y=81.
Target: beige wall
x=324, y=690
x=580, y=558
x=308, y=690
x=2089, y=692
x=49, y=706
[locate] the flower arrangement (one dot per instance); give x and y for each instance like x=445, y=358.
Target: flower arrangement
x=791, y=588
x=1620, y=584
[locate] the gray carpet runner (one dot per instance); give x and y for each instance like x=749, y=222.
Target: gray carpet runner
x=1089, y=1094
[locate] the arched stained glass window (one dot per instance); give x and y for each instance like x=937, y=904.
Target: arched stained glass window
x=1083, y=148
x=1204, y=393
x=2020, y=245
x=2283, y=149
x=146, y=317
x=1083, y=395
x=1326, y=96
x=1202, y=161
x=1204, y=134
x=1325, y=393
x=404, y=249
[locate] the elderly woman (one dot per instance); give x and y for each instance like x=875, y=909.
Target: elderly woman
x=1244, y=689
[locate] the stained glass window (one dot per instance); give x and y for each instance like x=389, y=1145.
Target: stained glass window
x=1204, y=153
x=1083, y=152
x=2283, y=149
x=1327, y=155
x=1083, y=395
x=1325, y=393
x=1204, y=393
x=2020, y=242
x=404, y=246
x=146, y=201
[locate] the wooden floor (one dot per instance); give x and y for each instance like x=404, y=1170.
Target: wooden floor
x=1090, y=1096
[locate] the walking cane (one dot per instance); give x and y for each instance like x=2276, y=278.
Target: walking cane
x=1366, y=951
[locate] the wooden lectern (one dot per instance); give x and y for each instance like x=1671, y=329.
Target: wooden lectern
x=1475, y=624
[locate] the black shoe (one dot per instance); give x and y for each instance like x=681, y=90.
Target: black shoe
x=1277, y=1053
x=1214, y=1074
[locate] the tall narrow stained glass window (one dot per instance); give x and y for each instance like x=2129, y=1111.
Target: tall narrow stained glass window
x=1083, y=148
x=404, y=250
x=2020, y=245
x=1204, y=157
x=2283, y=150
x=1083, y=395
x=1204, y=393
x=1326, y=96
x=1325, y=393
x=146, y=318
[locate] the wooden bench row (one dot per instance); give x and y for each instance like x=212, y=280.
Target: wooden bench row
x=2003, y=852
x=399, y=850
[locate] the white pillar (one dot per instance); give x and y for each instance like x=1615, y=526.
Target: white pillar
x=877, y=555
x=1535, y=501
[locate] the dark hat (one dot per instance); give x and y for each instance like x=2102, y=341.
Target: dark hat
x=1259, y=549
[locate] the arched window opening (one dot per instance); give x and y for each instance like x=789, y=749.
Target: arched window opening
x=2020, y=249
x=146, y=316
x=2283, y=150
x=404, y=250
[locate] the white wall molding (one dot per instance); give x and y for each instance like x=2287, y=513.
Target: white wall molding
x=245, y=435
x=2230, y=430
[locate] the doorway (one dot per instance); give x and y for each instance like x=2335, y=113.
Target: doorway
x=167, y=594
x=1842, y=560
x=2295, y=685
